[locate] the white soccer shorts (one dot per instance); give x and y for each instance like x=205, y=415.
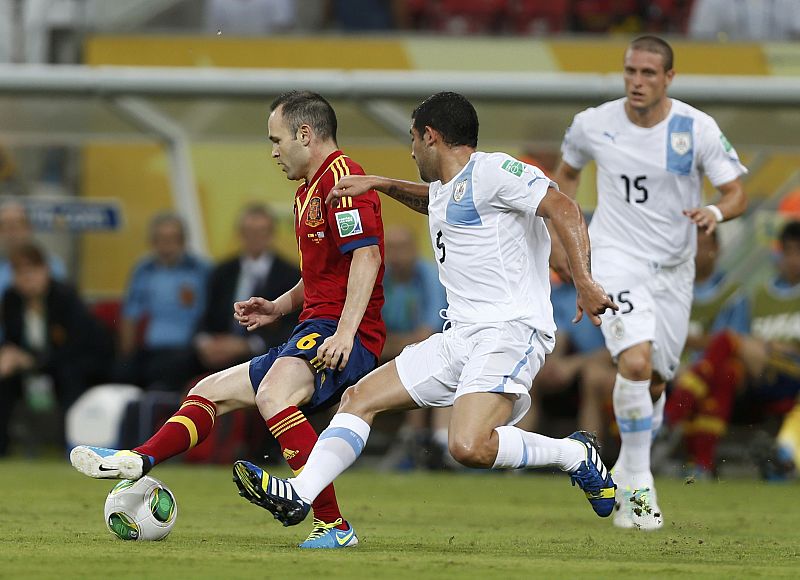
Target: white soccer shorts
x=655, y=303
x=466, y=358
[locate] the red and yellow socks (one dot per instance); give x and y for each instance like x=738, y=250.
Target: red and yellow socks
x=185, y=429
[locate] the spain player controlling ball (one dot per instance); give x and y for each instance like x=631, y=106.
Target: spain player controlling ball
x=339, y=337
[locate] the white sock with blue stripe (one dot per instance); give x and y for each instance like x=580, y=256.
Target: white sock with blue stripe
x=337, y=449
x=518, y=448
x=633, y=408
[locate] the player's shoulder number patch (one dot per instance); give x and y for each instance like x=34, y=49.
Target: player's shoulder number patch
x=349, y=223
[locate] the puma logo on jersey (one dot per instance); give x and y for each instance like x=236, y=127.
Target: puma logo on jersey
x=611, y=136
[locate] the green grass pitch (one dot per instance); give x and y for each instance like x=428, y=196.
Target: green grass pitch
x=470, y=525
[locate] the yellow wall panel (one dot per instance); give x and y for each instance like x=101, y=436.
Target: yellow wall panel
x=275, y=52
x=137, y=176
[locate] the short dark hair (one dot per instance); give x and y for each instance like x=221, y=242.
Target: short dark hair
x=657, y=45
x=27, y=253
x=790, y=233
x=450, y=114
x=306, y=107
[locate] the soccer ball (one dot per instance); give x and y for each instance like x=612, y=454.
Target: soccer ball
x=144, y=509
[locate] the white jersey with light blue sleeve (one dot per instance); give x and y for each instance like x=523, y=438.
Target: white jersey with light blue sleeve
x=646, y=177
x=492, y=249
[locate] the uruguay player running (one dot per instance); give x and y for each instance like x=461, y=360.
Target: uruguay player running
x=486, y=219
x=651, y=153
x=340, y=293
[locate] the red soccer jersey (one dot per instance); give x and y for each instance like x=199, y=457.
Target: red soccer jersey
x=327, y=237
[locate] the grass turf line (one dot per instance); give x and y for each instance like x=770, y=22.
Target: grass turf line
x=426, y=525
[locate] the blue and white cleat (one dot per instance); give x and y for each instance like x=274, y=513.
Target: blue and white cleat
x=104, y=463
x=274, y=494
x=328, y=536
x=593, y=477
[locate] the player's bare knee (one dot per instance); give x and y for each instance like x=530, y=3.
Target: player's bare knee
x=209, y=388
x=272, y=398
x=472, y=451
x=636, y=366
x=357, y=401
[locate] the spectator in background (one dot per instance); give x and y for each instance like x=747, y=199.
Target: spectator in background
x=249, y=17
x=257, y=271
x=745, y=20
x=15, y=230
x=165, y=299
x=414, y=300
x=51, y=340
x=761, y=361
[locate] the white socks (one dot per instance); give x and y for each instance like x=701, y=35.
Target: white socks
x=633, y=408
x=337, y=449
x=518, y=448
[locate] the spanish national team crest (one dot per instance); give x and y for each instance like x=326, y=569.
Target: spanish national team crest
x=314, y=215
x=459, y=190
x=681, y=142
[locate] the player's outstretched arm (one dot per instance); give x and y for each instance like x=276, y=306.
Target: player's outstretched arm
x=413, y=195
x=256, y=312
x=567, y=178
x=731, y=205
x=335, y=351
x=566, y=218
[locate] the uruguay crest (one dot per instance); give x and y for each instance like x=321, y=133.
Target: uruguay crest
x=681, y=143
x=460, y=190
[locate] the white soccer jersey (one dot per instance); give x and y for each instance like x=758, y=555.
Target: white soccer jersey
x=647, y=177
x=492, y=249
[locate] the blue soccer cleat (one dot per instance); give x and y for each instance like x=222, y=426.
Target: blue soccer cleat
x=328, y=536
x=593, y=477
x=274, y=494
x=105, y=463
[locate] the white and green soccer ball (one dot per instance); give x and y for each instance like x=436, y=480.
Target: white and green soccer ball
x=144, y=509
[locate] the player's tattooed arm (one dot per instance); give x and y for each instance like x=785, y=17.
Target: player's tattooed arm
x=410, y=194
x=566, y=219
